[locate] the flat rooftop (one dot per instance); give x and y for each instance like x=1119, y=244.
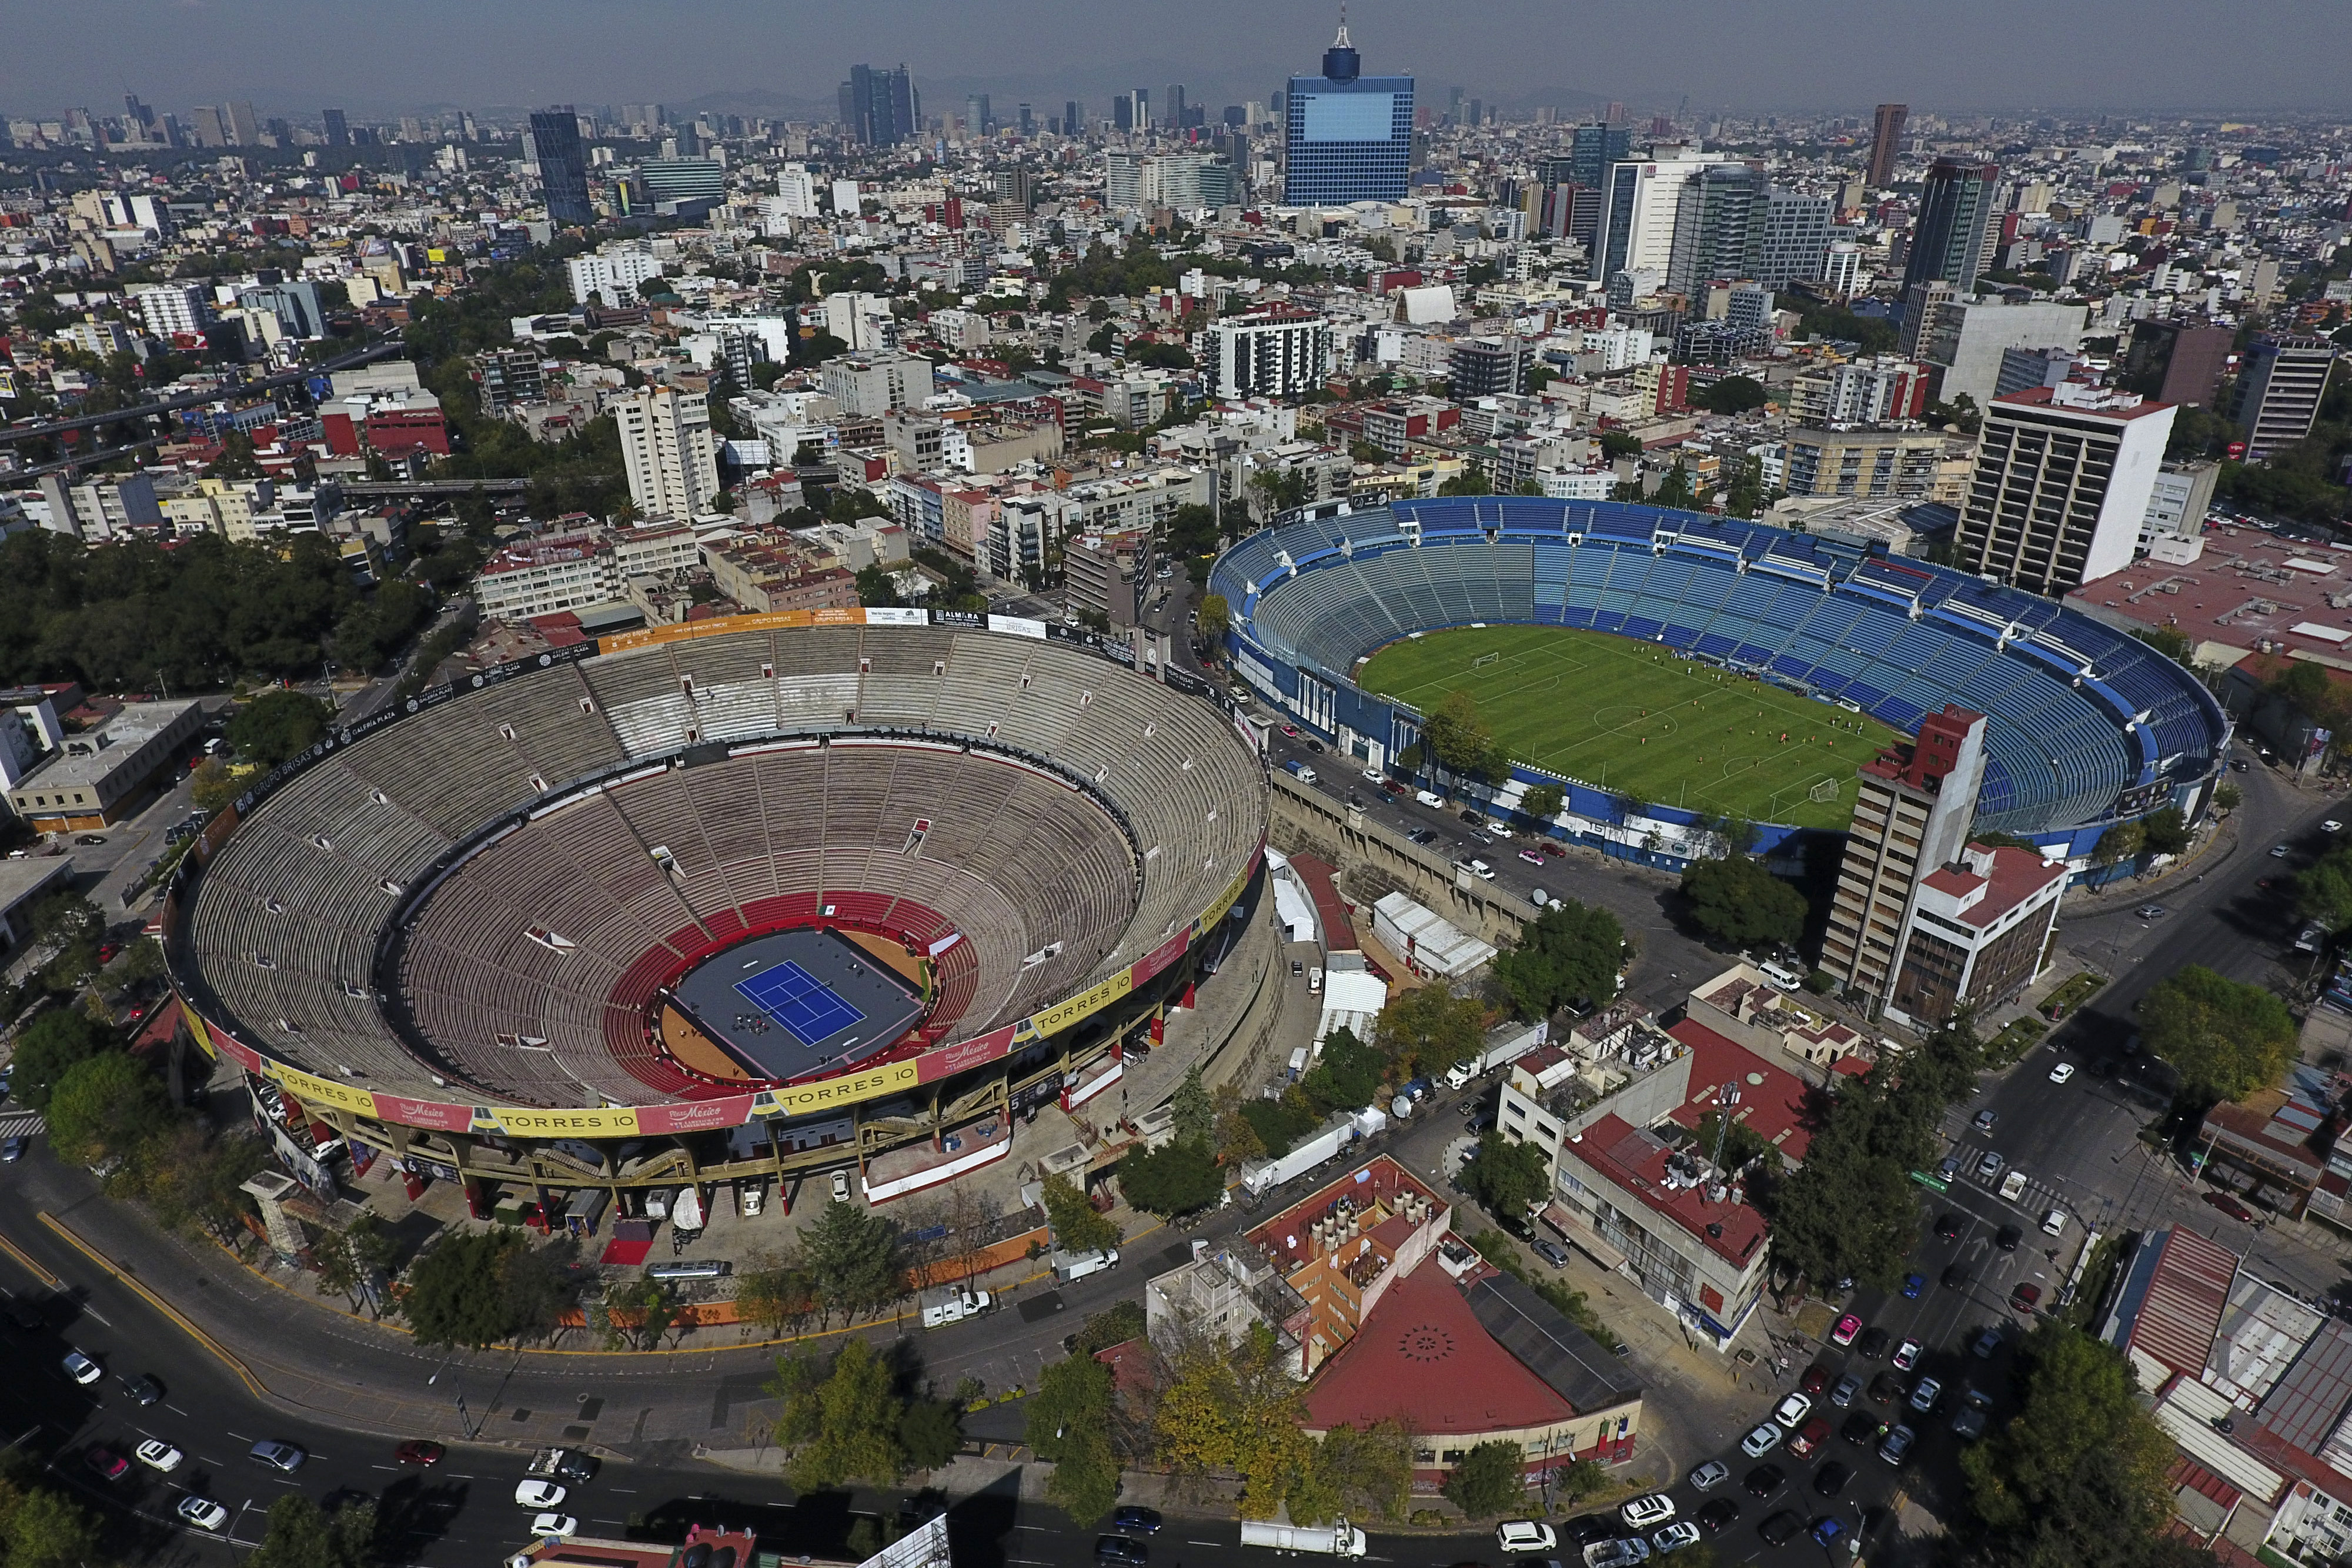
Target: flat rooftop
x=2248, y=588
x=113, y=742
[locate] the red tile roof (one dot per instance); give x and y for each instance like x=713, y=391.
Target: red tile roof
x=2181, y=1311
x=1339, y=931
x=1423, y=1356
x=1635, y=1160
x=1773, y=1101
x=2017, y=875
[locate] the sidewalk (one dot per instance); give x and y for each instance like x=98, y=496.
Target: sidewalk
x=2214, y=847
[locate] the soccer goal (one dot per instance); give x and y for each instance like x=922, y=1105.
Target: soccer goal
x=1485, y=659
x=1827, y=790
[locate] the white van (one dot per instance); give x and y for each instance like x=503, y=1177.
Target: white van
x=2012, y=1186
x=2054, y=1222
x=1479, y=869
x=1429, y=797
x=1780, y=975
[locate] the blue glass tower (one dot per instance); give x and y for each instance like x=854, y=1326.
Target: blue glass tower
x=1349, y=136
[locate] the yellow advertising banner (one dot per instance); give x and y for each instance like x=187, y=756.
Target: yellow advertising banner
x=313, y=1090
x=613, y=1122
x=768, y=621
x=1086, y=1004
x=800, y=1099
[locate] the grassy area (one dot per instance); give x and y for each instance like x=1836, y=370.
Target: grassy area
x=2077, y=991
x=2016, y=1038
x=1503, y=1253
x=1631, y=719
x=2105, y=1259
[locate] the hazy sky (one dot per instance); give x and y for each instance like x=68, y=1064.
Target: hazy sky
x=292, y=57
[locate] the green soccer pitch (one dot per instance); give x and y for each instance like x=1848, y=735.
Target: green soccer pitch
x=1631, y=719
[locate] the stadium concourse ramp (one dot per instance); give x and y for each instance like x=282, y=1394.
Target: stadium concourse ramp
x=2087, y=727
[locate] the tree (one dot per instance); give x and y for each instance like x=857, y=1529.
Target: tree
x=1736, y=900
x=1731, y=394
x=301, y=1534
x=853, y=1262
x=1216, y=618
x=1471, y=481
x=931, y=1432
x=1455, y=734
x=1368, y=1473
x=106, y=1105
x=2227, y=796
x=1236, y=1407
x=278, y=725
x=1570, y=953
x=1193, y=1113
x=1348, y=1075
x=1676, y=491
x=2122, y=841
x=49, y=1047
x=1507, y=1176
x=2164, y=832
x=2079, y=1474
x=774, y=1292
x=1491, y=1479
x=1077, y=1225
x=839, y=1424
x=42, y=1528
x=459, y=1294
x=875, y=587
x=634, y=1314
x=1181, y=1177
x=1543, y=802
x=1430, y=1028
x=2225, y=1038
x=1068, y=1424
x=212, y=786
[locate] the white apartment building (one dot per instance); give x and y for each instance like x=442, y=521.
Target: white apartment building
x=173, y=307
x=862, y=322
x=665, y=445
x=871, y=386
x=2061, y=485
x=1275, y=352
x=606, y=276
x=796, y=189
x=567, y=572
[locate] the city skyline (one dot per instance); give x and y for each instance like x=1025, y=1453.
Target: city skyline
x=2104, y=55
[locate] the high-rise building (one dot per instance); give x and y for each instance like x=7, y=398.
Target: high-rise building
x=1885, y=141
x=1171, y=106
x=244, y=127
x=1141, y=117
x=2278, y=391
x=978, y=119
x=1025, y=118
x=1489, y=367
x=1640, y=210
x=1348, y=136
x=1948, y=242
x=796, y=187
x=1280, y=351
x=210, y=130
x=339, y=132
x=1911, y=817
x=1593, y=150
x=2178, y=361
x=666, y=447
x=1796, y=239
x=562, y=165
x=683, y=179
x=880, y=108
x=1074, y=119
x=1718, y=227
x=2063, y=479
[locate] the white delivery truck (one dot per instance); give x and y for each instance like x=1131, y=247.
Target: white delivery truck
x=951, y=1304
x=1339, y=1539
x=1069, y=1267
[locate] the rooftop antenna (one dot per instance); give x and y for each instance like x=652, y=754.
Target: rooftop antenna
x=1341, y=41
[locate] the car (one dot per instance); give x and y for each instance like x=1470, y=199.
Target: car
x=1781, y=1529
x=1137, y=1521
x=2331, y=826
x=1764, y=1479
x=203, y=1512
x=1873, y=1344
x=107, y=950
x=2239, y=765
x=1760, y=1442
x=1847, y=1327
x=2278, y=852
x=1907, y=1355
x=1816, y=1379
x=2062, y=1071
x=1793, y=1410
x=1813, y=1439
x=2008, y=1236
x=1120, y=1548
x=538, y=1495
x=2231, y=1206
x=27, y=1316
x=1552, y=1253
x=1912, y=1285
x=1675, y=1537
x=1955, y=1278
x=1949, y=1167
x=1625, y=1553
x=1986, y=1341
x=418, y=1451
x=81, y=1369
x=1885, y=1388
x=1290, y=730
x=1896, y=1446
x=1593, y=1529
x=2026, y=1297
x=106, y=1462
x=1647, y=1511
x=1863, y=1427
x=143, y=1388
x=91, y=838
x=1422, y=836
x=1985, y=1118
x=1845, y=1391
x=1989, y=1166
x=12, y=1150
x=1526, y=1535
x=1394, y=790
x=1831, y=1477
x=1709, y=1476
x=285, y=1457
x=1373, y=776
x=1531, y=857
x=1926, y=1395
x=158, y=1455
x=555, y=1524
x=1949, y=1226
x=2150, y=912
x=1967, y=1424
x=1828, y=1531
x=1717, y=1517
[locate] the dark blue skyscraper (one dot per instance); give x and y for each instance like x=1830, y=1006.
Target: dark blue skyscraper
x=880, y=108
x=562, y=167
x=1349, y=136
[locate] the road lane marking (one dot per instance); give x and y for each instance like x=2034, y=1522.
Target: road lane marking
x=93, y=1312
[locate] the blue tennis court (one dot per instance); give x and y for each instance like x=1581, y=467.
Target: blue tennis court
x=806, y=1006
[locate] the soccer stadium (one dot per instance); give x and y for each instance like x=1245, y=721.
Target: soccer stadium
x=2087, y=726
x=809, y=887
